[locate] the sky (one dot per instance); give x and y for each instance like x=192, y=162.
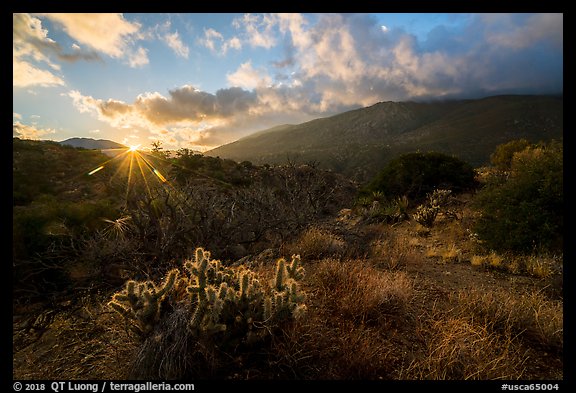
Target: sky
x=198, y=81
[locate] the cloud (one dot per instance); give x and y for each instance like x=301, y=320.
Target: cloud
x=215, y=42
x=32, y=45
x=25, y=74
x=138, y=58
x=31, y=39
x=210, y=38
x=24, y=131
x=185, y=108
x=517, y=31
x=247, y=77
x=16, y=116
x=106, y=33
x=342, y=61
x=258, y=29
x=33, y=49
x=175, y=43
x=96, y=131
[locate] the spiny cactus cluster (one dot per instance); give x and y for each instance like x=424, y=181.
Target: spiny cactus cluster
x=140, y=302
x=228, y=300
x=426, y=213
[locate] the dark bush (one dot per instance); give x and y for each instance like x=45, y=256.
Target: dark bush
x=417, y=174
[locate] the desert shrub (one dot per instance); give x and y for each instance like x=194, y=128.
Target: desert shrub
x=378, y=208
x=525, y=212
x=416, y=174
x=45, y=234
x=215, y=309
x=503, y=154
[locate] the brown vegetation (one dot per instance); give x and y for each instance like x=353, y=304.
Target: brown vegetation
x=398, y=312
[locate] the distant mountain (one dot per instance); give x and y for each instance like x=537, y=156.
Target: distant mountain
x=360, y=142
x=89, y=143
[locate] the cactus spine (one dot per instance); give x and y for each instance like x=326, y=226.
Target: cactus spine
x=140, y=302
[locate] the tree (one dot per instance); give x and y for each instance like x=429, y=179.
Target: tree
x=157, y=149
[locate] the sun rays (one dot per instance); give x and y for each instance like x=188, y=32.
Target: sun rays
x=136, y=166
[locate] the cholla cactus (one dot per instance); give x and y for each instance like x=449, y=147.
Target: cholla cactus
x=226, y=300
x=140, y=302
x=439, y=197
x=426, y=213
x=286, y=297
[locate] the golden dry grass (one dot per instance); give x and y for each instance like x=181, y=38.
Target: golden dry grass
x=462, y=350
x=316, y=243
x=530, y=315
x=355, y=290
x=392, y=252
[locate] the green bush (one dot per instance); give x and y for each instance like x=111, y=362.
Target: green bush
x=525, y=211
x=502, y=156
x=417, y=174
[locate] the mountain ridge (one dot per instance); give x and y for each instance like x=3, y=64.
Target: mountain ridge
x=91, y=143
x=359, y=142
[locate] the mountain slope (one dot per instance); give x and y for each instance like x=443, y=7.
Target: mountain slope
x=89, y=143
x=359, y=142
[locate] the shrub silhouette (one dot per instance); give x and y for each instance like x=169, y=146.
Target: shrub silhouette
x=417, y=174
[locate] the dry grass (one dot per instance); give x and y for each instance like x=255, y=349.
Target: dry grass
x=531, y=315
x=327, y=347
x=451, y=253
x=394, y=252
x=477, y=260
x=461, y=350
x=354, y=290
x=317, y=243
x=495, y=261
x=445, y=254
x=537, y=266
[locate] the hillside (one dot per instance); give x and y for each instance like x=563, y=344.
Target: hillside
x=89, y=143
x=301, y=282
x=359, y=142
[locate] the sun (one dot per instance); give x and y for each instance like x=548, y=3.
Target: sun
x=133, y=148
